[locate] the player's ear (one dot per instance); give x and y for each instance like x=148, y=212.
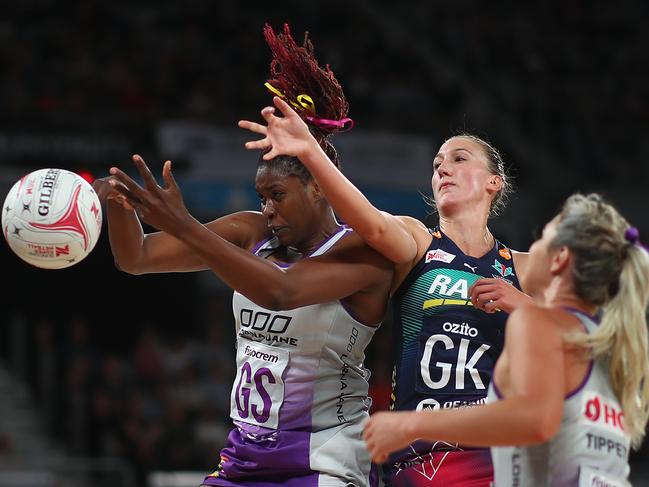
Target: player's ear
x=560, y=260
x=315, y=190
x=495, y=183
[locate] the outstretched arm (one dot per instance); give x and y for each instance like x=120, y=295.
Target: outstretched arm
x=258, y=279
x=530, y=413
x=289, y=135
x=138, y=253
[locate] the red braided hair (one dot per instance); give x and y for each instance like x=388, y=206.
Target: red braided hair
x=294, y=71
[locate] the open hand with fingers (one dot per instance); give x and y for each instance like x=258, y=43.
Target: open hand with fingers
x=493, y=294
x=161, y=207
x=287, y=135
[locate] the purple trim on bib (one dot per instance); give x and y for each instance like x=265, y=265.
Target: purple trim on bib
x=595, y=320
x=583, y=382
x=326, y=239
x=256, y=248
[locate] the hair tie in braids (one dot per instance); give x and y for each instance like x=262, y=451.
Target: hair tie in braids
x=297, y=77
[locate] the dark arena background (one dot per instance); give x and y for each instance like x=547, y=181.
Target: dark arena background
x=108, y=379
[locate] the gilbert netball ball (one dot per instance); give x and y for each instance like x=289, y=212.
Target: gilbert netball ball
x=51, y=218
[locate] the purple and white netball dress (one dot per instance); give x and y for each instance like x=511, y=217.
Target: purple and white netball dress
x=299, y=397
x=590, y=449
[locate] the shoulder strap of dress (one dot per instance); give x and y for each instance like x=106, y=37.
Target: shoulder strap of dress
x=589, y=322
x=330, y=242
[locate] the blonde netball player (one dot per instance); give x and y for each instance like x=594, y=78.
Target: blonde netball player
x=570, y=393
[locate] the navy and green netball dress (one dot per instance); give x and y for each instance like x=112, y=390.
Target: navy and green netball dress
x=446, y=355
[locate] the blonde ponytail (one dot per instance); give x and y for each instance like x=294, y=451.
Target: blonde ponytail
x=611, y=270
x=621, y=338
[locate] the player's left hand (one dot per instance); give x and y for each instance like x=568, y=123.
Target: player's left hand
x=161, y=207
x=493, y=294
x=386, y=432
x=286, y=135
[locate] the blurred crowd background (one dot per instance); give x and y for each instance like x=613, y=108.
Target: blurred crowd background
x=110, y=377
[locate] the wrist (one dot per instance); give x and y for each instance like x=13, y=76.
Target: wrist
x=310, y=148
x=411, y=426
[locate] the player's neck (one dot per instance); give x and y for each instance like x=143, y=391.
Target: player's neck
x=469, y=232
x=560, y=295
x=329, y=226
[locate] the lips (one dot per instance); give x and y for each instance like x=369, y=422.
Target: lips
x=445, y=185
x=276, y=230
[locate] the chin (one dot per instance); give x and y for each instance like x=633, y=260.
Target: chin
x=446, y=205
x=284, y=239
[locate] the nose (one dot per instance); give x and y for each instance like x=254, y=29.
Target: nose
x=267, y=208
x=443, y=169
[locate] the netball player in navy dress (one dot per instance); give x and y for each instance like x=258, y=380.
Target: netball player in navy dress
x=453, y=287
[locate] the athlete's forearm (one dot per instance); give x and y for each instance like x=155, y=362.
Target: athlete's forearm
x=125, y=235
x=511, y=421
x=259, y=280
x=380, y=230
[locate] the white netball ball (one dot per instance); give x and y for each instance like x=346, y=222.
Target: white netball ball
x=51, y=218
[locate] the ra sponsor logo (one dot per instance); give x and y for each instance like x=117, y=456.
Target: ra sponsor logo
x=602, y=412
x=439, y=255
x=450, y=291
x=503, y=270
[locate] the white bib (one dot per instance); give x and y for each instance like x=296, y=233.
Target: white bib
x=258, y=390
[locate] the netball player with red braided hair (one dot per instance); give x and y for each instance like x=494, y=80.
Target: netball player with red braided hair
x=309, y=294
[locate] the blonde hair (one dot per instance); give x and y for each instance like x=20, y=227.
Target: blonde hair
x=612, y=272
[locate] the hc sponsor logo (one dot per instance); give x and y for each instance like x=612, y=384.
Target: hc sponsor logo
x=603, y=412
